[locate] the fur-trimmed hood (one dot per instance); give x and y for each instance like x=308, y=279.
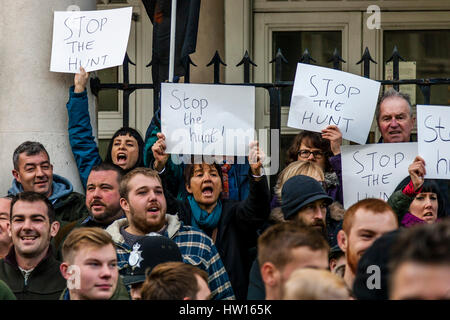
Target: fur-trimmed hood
x=173, y=225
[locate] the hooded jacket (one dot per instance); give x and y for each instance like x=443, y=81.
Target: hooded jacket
x=69, y=205
x=196, y=248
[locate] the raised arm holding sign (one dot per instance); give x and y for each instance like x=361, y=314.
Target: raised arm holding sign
x=433, y=136
x=207, y=119
x=91, y=39
x=323, y=97
x=374, y=170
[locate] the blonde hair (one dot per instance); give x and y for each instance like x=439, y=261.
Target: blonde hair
x=315, y=284
x=83, y=237
x=296, y=168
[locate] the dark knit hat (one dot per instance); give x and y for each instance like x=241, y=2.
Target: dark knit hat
x=378, y=255
x=147, y=253
x=299, y=191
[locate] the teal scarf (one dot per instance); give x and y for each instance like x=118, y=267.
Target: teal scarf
x=202, y=219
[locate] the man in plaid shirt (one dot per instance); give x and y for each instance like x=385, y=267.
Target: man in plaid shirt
x=144, y=203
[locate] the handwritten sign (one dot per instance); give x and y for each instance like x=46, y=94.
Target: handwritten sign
x=374, y=170
x=433, y=137
x=324, y=96
x=92, y=39
x=207, y=119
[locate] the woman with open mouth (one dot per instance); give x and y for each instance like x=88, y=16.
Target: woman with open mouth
x=420, y=200
x=125, y=148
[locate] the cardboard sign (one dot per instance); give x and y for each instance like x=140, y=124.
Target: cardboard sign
x=207, y=119
x=324, y=96
x=374, y=170
x=92, y=39
x=433, y=137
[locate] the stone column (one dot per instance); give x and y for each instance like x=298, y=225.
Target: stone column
x=33, y=99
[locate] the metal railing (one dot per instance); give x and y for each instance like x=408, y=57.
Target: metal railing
x=273, y=88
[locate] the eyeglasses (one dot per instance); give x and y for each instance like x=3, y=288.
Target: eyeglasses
x=306, y=153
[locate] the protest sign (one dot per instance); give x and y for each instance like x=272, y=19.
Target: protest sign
x=324, y=96
x=433, y=137
x=374, y=170
x=207, y=119
x=92, y=39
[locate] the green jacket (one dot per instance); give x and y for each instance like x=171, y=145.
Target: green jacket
x=44, y=283
x=120, y=293
x=400, y=203
x=5, y=292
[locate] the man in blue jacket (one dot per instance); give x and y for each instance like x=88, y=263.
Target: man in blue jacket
x=34, y=172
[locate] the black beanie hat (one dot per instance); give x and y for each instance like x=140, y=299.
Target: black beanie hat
x=298, y=191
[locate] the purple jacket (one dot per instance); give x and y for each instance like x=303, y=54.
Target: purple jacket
x=409, y=220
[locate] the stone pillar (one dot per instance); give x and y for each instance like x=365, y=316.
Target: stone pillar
x=33, y=99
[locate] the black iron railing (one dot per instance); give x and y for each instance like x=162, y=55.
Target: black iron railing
x=273, y=88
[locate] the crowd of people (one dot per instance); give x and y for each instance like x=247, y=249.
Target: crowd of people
x=148, y=228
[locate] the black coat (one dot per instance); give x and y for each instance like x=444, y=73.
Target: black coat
x=237, y=232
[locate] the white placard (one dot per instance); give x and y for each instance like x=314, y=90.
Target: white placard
x=92, y=39
x=324, y=96
x=433, y=137
x=207, y=119
x=374, y=170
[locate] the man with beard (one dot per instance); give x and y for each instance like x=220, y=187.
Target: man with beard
x=30, y=269
x=364, y=222
x=233, y=225
x=304, y=201
x=102, y=200
x=143, y=200
x=285, y=247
